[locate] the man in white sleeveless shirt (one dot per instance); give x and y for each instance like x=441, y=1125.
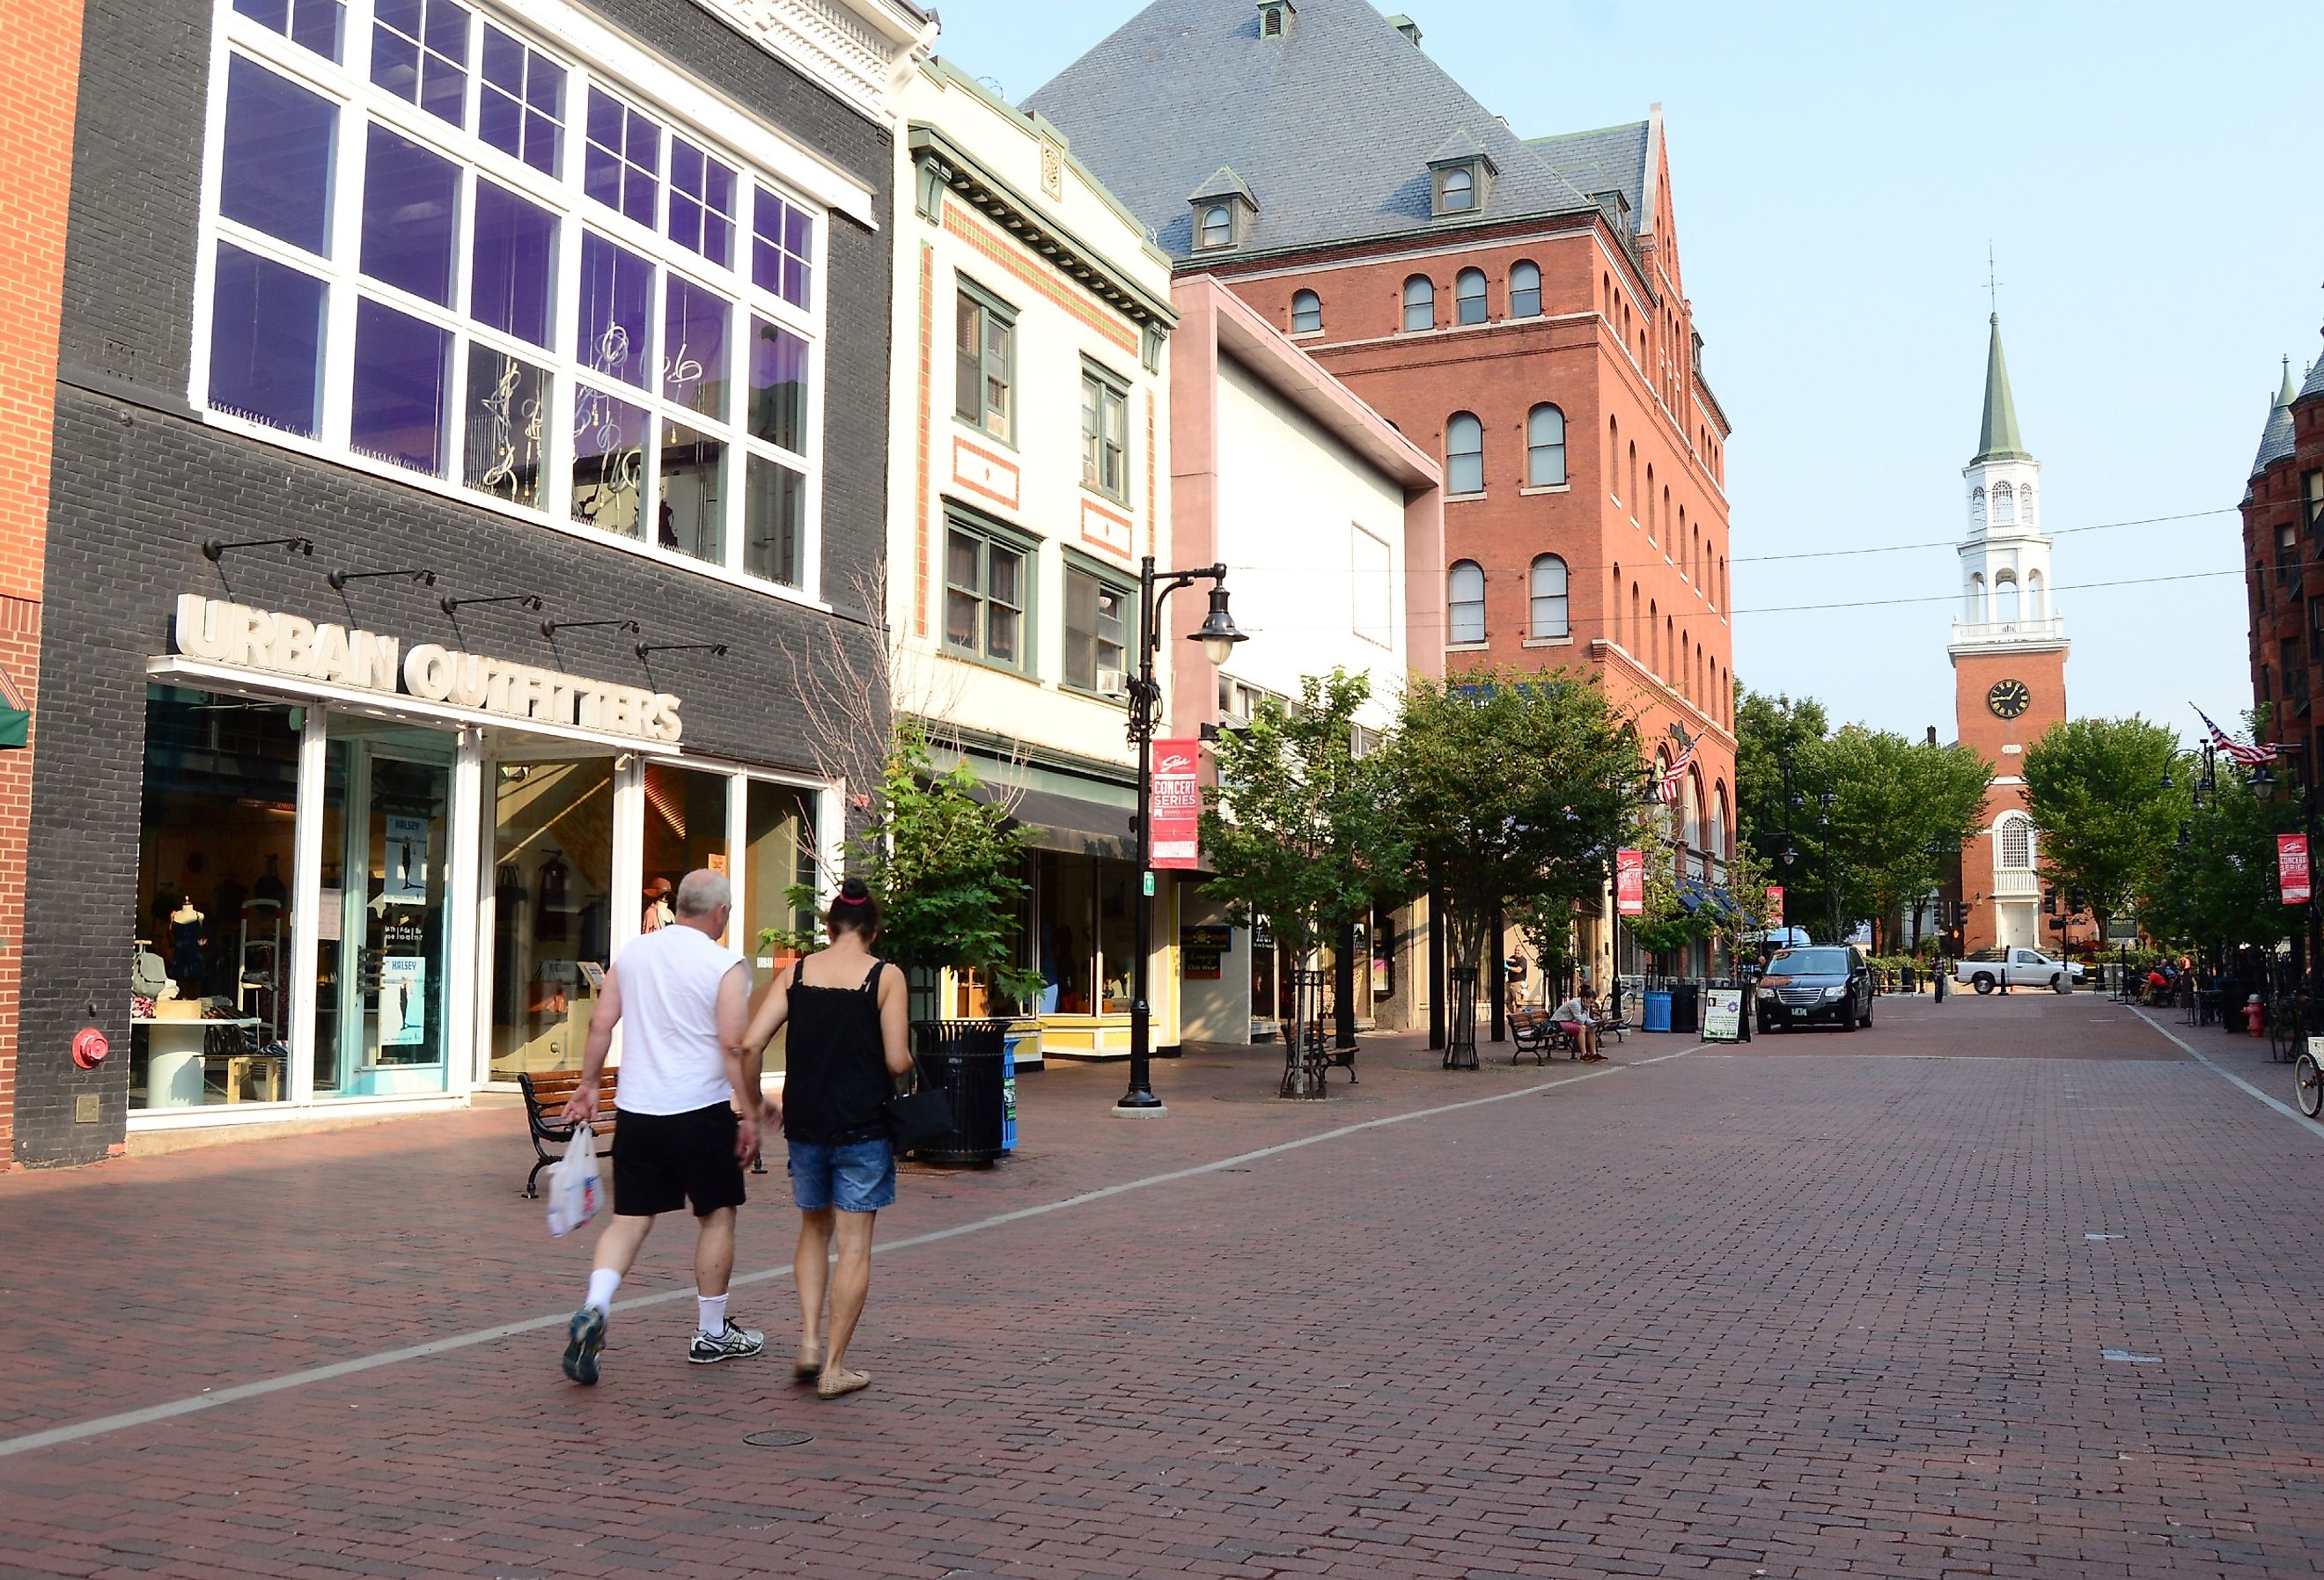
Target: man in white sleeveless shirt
x=689, y=1103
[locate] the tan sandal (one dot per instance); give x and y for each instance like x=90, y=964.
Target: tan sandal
x=804, y=1369
x=838, y=1379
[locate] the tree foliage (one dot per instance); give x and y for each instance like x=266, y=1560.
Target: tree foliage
x=945, y=864
x=1512, y=791
x=1897, y=809
x=2217, y=886
x=1298, y=827
x=2094, y=786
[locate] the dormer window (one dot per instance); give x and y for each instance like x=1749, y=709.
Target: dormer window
x=1274, y=17
x=1459, y=177
x=1223, y=210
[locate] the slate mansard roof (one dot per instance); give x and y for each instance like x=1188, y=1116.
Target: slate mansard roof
x=1612, y=159
x=1333, y=125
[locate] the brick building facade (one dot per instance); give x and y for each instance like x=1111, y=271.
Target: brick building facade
x=43, y=51
x=2283, y=540
x=1515, y=307
x=386, y=838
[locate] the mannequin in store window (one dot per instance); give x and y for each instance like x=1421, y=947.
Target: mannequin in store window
x=658, y=912
x=188, y=934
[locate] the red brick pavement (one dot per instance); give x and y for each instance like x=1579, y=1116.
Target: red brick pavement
x=1729, y=1315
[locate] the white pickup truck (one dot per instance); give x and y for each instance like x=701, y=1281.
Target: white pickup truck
x=1989, y=969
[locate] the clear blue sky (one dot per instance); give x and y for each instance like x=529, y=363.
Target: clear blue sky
x=2142, y=174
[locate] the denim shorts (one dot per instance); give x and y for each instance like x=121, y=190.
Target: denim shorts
x=857, y=1177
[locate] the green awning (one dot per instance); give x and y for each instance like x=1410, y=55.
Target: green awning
x=15, y=724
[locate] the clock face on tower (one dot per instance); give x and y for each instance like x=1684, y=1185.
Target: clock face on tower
x=2009, y=699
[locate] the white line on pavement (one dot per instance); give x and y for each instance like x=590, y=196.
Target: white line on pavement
x=75, y=1431
x=2285, y=1109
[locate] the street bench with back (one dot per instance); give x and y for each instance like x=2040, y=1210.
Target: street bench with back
x=1537, y=1032
x=546, y=1093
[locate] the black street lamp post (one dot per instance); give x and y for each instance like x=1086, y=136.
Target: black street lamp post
x=1218, y=636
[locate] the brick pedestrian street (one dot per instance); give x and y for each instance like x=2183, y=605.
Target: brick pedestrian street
x=2006, y=1286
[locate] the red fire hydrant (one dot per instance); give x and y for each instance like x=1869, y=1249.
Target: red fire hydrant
x=2255, y=1018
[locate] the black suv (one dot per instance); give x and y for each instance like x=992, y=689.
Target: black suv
x=1827, y=983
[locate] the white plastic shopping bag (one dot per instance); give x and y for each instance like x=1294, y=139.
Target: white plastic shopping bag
x=574, y=1191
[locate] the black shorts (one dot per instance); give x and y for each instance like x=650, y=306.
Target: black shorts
x=663, y=1160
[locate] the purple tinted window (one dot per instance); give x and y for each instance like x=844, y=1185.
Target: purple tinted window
x=420, y=51
x=508, y=418
x=315, y=23
x=266, y=342
x=701, y=202
x=622, y=167
x=274, y=171
x=615, y=336
x=694, y=327
x=778, y=386
x=609, y=438
x=411, y=201
x=520, y=108
x=782, y=240
x=401, y=385
x=512, y=271
x=691, y=514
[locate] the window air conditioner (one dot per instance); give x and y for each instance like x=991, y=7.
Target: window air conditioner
x=1112, y=683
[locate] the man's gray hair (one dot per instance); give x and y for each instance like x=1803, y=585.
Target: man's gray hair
x=703, y=891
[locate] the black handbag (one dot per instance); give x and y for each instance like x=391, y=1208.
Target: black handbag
x=920, y=1116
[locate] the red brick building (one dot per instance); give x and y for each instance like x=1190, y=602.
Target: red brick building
x=2283, y=540
x=1515, y=307
x=44, y=58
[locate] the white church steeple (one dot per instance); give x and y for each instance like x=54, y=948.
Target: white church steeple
x=2004, y=559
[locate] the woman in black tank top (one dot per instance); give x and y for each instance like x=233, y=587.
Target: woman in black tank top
x=845, y=1007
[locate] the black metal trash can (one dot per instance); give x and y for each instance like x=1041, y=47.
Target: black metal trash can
x=962, y=1060
x=1912, y=975
x=1686, y=1006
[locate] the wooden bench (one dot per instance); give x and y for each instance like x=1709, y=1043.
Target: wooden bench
x=1536, y=1032
x=546, y=1093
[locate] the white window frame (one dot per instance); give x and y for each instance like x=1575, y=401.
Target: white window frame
x=1453, y=630
x=362, y=104
x=1563, y=598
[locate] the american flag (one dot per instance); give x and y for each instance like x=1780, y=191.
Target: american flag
x=2245, y=756
x=1675, y=773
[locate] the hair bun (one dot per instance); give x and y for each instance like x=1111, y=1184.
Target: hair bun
x=855, y=889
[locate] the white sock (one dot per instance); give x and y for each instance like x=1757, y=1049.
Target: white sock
x=602, y=1282
x=714, y=1313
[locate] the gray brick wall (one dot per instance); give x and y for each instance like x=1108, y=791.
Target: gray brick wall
x=139, y=483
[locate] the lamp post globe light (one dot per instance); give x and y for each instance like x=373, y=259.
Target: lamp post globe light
x=1218, y=637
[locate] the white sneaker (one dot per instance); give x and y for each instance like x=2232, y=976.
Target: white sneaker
x=734, y=1343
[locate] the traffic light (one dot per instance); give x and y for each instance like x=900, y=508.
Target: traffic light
x=2050, y=901
x=2074, y=901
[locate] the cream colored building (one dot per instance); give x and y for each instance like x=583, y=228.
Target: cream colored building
x=1029, y=477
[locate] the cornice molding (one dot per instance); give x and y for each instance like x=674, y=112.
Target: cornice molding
x=861, y=50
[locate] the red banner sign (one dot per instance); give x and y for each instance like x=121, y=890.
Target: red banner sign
x=1774, y=905
x=1177, y=805
x=1630, y=883
x=2291, y=868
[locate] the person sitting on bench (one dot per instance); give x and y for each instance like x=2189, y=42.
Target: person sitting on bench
x=1578, y=1017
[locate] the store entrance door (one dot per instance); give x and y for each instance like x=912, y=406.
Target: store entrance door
x=380, y=1027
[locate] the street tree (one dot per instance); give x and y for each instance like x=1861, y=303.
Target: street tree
x=1298, y=828
x=2216, y=889
x=1770, y=731
x=1895, y=804
x=2106, y=825
x=1511, y=789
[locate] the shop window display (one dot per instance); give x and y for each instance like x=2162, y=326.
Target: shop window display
x=686, y=829
x=210, y=1001
x=552, y=909
x=780, y=855
x=381, y=973
x=1087, y=934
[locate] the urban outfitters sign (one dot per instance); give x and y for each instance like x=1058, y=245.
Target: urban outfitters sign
x=217, y=631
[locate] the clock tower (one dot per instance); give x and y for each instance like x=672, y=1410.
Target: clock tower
x=2009, y=667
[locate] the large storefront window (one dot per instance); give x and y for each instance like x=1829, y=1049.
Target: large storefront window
x=208, y=983
x=686, y=829
x=530, y=288
x=1087, y=934
x=552, y=909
